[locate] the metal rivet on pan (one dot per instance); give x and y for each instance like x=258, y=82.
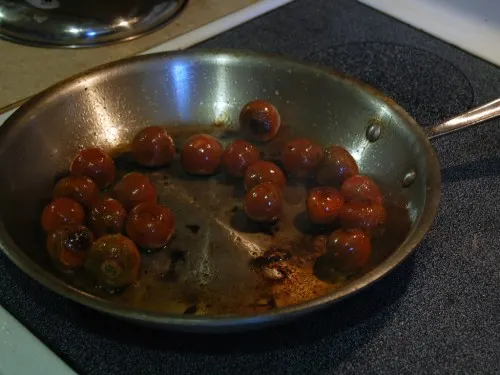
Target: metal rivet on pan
x=409, y=178
x=373, y=132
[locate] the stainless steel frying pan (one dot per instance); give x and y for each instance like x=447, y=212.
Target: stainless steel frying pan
x=211, y=276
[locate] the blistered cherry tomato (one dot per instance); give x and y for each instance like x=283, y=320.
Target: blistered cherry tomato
x=238, y=156
x=113, y=261
x=369, y=217
x=300, y=157
x=349, y=249
x=153, y=147
x=96, y=164
x=264, y=203
x=107, y=216
x=361, y=188
x=134, y=188
x=264, y=171
x=337, y=166
x=69, y=245
x=150, y=225
x=201, y=155
x=260, y=120
x=62, y=211
x=324, y=204
x=79, y=188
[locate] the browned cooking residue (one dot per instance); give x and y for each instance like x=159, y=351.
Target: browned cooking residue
x=215, y=268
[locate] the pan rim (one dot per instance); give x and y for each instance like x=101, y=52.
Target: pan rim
x=229, y=322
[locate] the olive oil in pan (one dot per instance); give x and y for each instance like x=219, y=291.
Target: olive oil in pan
x=221, y=263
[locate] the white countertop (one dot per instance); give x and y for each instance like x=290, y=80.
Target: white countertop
x=473, y=25
x=21, y=353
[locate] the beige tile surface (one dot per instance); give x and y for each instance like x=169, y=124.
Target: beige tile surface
x=24, y=71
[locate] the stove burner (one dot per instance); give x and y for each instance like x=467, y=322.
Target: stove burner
x=76, y=23
x=413, y=77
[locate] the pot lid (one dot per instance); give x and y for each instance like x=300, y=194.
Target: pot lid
x=77, y=23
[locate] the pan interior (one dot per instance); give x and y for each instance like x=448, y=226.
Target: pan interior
x=209, y=268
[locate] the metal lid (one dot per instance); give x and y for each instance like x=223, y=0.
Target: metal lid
x=76, y=23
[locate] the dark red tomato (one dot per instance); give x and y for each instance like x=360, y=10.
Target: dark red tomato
x=349, y=249
x=264, y=203
x=62, y=211
x=300, y=157
x=361, y=188
x=113, y=261
x=96, y=164
x=69, y=245
x=362, y=215
x=201, y=155
x=153, y=147
x=264, y=171
x=107, y=216
x=238, y=156
x=150, y=225
x=134, y=188
x=337, y=166
x=324, y=204
x=80, y=188
x=260, y=120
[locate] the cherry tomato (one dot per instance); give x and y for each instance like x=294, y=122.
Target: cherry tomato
x=337, y=166
x=62, y=211
x=134, y=188
x=113, y=261
x=264, y=171
x=150, y=225
x=324, y=204
x=238, y=156
x=349, y=249
x=153, y=147
x=362, y=215
x=260, y=120
x=107, y=216
x=96, y=164
x=68, y=246
x=361, y=188
x=300, y=157
x=201, y=155
x=264, y=203
x=79, y=188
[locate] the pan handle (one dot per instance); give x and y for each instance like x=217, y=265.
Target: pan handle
x=473, y=117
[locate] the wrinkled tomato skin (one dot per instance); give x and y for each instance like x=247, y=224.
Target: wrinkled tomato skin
x=324, y=204
x=107, y=216
x=361, y=188
x=79, y=188
x=349, y=250
x=260, y=120
x=264, y=171
x=238, y=156
x=134, y=188
x=264, y=203
x=336, y=166
x=95, y=164
x=113, y=261
x=201, y=155
x=150, y=225
x=300, y=157
x=362, y=215
x=153, y=147
x=62, y=211
x=69, y=245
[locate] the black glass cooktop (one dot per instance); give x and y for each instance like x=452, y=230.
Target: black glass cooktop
x=437, y=313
